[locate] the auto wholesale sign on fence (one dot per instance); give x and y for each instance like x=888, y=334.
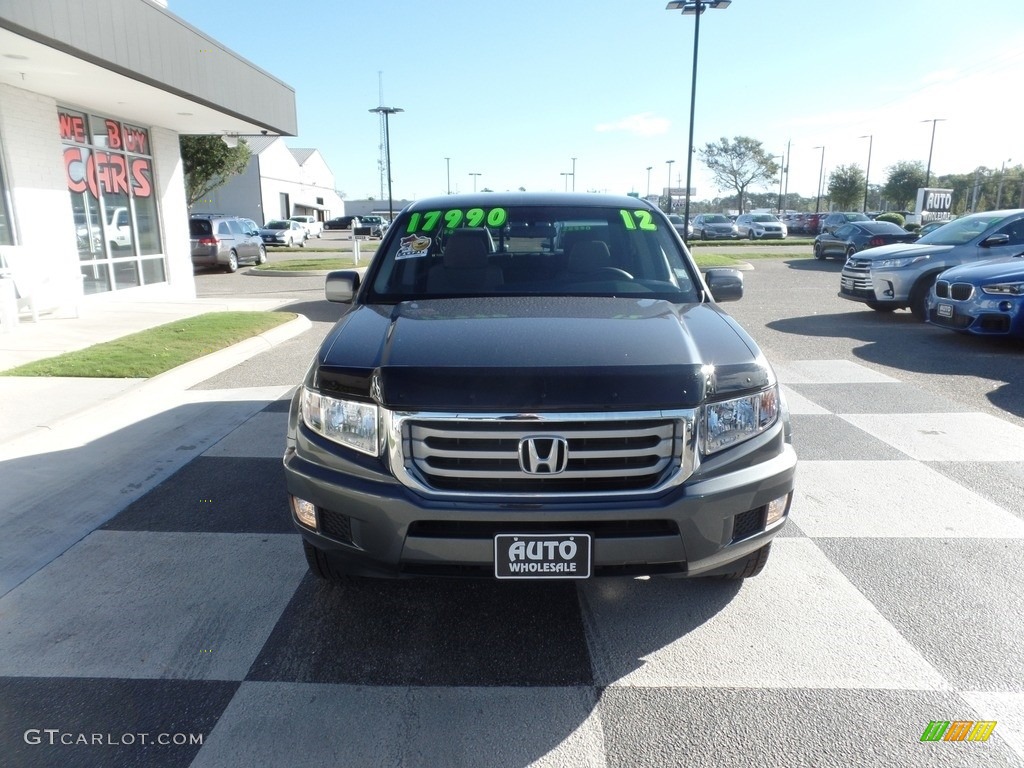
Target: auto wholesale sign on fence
x=934, y=204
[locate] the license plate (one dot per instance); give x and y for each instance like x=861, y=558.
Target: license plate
x=542, y=556
x=944, y=310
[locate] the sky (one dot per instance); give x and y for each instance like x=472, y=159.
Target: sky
x=513, y=91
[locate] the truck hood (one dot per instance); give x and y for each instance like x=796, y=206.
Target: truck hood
x=997, y=271
x=896, y=250
x=523, y=354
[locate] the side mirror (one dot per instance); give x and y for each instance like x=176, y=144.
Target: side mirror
x=995, y=240
x=725, y=284
x=341, y=286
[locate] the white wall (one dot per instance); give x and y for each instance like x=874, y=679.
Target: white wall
x=35, y=174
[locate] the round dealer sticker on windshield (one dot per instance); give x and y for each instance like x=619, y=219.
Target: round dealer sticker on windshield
x=542, y=556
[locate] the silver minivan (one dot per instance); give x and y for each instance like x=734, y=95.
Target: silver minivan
x=225, y=242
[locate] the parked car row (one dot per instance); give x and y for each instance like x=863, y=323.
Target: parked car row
x=967, y=275
x=378, y=225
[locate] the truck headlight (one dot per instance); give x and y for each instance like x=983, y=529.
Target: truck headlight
x=347, y=422
x=905, y=261
x=1004, y=289
x=729, y=422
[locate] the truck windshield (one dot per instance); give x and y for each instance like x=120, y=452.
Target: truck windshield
x=532, y=250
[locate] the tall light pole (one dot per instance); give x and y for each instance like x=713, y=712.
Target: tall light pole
x=474, y=175
x=566, y=174
x=668, y=189
x=448, y=170
x=387, y=112
x=928, y=173
x=649, y=180
x=781, y=157
x=789, y=159
x=867, y=173
x=696, y=9
x=1002, y=176
x=574, y=174
x=821, y=174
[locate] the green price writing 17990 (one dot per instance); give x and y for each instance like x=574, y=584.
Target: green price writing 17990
x=473, y=217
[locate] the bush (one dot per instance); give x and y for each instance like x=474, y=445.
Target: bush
x=895, y=218
x=912, y=227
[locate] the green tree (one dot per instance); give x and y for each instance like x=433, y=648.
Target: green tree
x=208, y=163
x=846, y=187
x=738, y=164
x=902, y=182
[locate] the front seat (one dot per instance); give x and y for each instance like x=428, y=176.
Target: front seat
x=465, y=268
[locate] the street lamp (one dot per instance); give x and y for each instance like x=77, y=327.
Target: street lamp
x=867, y=173
x=474, y=175
x=448, y=170
x=693, y=8
x=821, y=175
x=668, y=189
x=567, y=174
x=782, y=171
x=574, y=174
x=928, y=173
x=649, y=180
x=387, y=112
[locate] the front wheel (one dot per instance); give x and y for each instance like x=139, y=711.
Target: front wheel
x=850, y=252
x=817, y=251
x=919, y=297
x=302, y=243
x=261, y=257
x=750, y=234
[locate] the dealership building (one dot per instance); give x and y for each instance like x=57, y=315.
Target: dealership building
x=93, y=98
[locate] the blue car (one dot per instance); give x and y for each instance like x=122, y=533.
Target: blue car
x=986, y=299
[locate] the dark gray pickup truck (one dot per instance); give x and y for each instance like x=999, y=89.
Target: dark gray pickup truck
x=537, y=386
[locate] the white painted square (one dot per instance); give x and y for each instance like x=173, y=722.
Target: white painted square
x=893, y=499
x=799, y=624
x=946, y=436
x=1007, y=709
x=275, y=723
x=800, y=405
x=186, y=606
x=828, y=372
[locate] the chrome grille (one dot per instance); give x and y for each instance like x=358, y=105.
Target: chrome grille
x=606, y=453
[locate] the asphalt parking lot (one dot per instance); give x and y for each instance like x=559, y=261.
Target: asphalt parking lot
x=892, y=599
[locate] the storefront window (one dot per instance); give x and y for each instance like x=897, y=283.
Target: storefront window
x=109, y=167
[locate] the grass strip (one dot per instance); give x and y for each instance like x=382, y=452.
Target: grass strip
x=147, y=353
x=305, y=265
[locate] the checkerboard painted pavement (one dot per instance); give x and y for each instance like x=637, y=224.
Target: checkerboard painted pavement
x=893, y=598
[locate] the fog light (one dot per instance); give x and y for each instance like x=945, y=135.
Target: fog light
x=305, y=512
x=1005, y=306
x=777, y=508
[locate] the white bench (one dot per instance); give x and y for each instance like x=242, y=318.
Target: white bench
x=39, y=284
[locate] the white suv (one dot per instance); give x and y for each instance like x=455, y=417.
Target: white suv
x=313, y=226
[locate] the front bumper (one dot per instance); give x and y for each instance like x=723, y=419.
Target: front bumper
x=990, y=316
x=877, y=287
x=376, y=526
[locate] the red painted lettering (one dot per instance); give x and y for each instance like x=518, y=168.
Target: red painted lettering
x=112, y=171
x=142, y=184
x=72, y=127
x=113, y=134
x=135, y=140
x=74, y=170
